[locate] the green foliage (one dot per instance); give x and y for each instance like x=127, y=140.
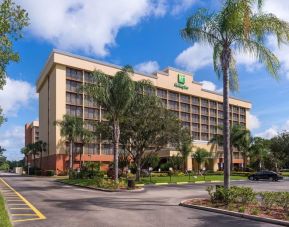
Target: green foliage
x=241, y=209
x=240, y=195
x=4, y=218
x=272, y=199
x=4, y=166
x=200, y=156
x=175, y=162
x=13, y=19
x=50, y=173
x=184, y=144
x=255, y=211
x=2, y=117
x=151, y=161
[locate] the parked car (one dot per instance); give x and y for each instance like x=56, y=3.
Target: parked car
x=265, y=175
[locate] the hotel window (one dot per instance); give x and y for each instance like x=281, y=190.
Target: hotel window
x=242, y=110
x=195, y=101
x=164, y=101
x=92, y=149
x=213, y=104
x=220, y=106
x=213, y=129
x=90, y=113
x=74, y=74
x=185, y=98
x=162, y=93
x=175, y=113
x=205, y=102
x=195, y=127
x=242, y=118
x=77, y=148
x=235, y=117
x=74, y=111
x=173, y=96
x=213, y=112
x=90, y=126
x=88, y=78
x=74, y=99
x=213, y=120
x=186, y=124
x=195, y=118
x=204, y=128
x=173, y=105
x=205, y=136
x=204, y=120
x=185, y=116
x=204, y=111
x=88, y=101
x=185, y=107
x=220, y=114
x=220, y=122
x=107, y=149
x=195, y=136
x=148, y=91
x=235, y=109
x=72, y=86
x=195, y=109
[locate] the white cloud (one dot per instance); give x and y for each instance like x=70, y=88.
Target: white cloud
x=92, y=26
x=148, y=67
x=182, y=6
x=195, y=57
x=13, y=140
x=269, y=133
x=15, y=95
x=254, y=122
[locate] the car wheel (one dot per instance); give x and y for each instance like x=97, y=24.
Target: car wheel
x=271, y=179
x=251, y=178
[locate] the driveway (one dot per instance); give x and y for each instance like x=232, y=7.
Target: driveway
x=68, y=206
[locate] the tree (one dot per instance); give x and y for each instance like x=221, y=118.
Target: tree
x=259, y=150
x=71, y=129
x=2, y=117
x=175, y=162
x=114, y=94
x=239, y=139
x=25, y=152
x=235, y=28
x=2, y=150
x=33, y=150
x=147, y=128
x=279, y=150
x=200, y=157
x=40, y=146
x=184, y=145
x=86, y=137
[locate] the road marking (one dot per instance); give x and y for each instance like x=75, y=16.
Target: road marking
x=37, y=213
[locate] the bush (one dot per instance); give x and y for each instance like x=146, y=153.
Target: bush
x=50, y=173
x=268, y=199
x=159, y=174
x=255, y=211
x=242, y=209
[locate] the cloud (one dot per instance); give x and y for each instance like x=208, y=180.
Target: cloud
x=195, y=57
x=208, y=85
x=92, y=26
x=13, y=140
x=15, y=95
x=148, y=67
x=254, y=122
x=274, y=130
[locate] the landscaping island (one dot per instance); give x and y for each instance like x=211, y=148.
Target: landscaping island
x=4, y=218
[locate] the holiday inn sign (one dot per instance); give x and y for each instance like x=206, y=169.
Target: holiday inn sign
x=181, y=82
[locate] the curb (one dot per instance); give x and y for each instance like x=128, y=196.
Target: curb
x=236, y=214
x=103, y=189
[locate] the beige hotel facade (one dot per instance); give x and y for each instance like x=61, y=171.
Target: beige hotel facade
x=200, y=110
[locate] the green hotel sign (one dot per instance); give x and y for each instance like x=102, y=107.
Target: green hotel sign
x=181, y=82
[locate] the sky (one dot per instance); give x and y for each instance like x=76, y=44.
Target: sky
x=141, y=33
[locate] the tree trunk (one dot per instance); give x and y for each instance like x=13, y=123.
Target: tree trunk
x=70, y=156
x=116, y=133
x=80, y=159
x=41, y=160
x=231, y=158
x=138, y=171
x=226, y=129
x=34, y=162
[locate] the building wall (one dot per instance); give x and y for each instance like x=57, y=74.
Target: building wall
x=199, y=109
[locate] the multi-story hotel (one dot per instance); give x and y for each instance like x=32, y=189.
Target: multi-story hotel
x=31, y=132
x=200, y=110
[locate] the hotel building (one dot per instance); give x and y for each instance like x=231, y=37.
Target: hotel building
x=200, y=110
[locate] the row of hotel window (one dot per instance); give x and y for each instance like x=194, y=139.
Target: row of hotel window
x=173, y=103
x=106, y=149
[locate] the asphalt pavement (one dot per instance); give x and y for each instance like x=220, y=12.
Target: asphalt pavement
x=68, y=206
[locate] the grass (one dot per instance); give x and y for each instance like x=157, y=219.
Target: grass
x=4, y=218
x=176, y=179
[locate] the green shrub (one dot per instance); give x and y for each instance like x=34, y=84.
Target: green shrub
x=178, y=173
x=268, y=199
x=255, y=211
x=50, y=173
x=38, y=172
x=283, y=200
x=159, y=174
x=241, y=209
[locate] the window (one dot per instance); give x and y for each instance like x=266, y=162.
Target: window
x=195, y=101
x=220, y=114
x=204, y=128
x=162, y=93
x=72, y=86
x=88, y=101
x=220, y=106
x=205, y=102
x=195, y=109
x=235, y=117
x=173, y=96
x=74, y=111
x=213, y=112
x=213, y=129
x=213, y=104
x=92, y=149
x=195, y=127
x=173, y=105
x=107, y=149
x=185, y=98
x=90, y=113
x=88, y=78
x=186, y=124
x=185, y=107
x=195, y=118
x=204, y=111
x=204, y=120
x=74, y=99
x=185, y=116
x=74, y=74
x=213, y=121
x=195, y=136
x=205, y=136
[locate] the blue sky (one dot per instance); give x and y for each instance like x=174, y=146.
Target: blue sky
x=144, y=34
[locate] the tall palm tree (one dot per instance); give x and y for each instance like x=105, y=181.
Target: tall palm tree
x=86, y=137
x=184, y=145
x=70, y=128
x=114, y=94
x=41, y=147
x=25, y=152
x=200, y=156
x=239, y=137
x=33, y=150
x=226, y=32
x=259, y=150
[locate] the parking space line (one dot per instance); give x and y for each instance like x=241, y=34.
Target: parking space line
x=11, y=197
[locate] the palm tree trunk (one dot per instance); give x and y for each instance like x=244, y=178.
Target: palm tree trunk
x=231, y=161
x=226, y=129
x=138, y=172
x=70, y=155
x=80, y=159
x=34, y=161
x=116, y=133
x=41, y=159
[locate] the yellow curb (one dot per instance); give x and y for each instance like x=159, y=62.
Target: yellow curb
x=161, y=183
x=182, y=182
x=139, y=185
x=200, y=182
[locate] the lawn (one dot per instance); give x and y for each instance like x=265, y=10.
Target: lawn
x=175, y=179
x=4, y=218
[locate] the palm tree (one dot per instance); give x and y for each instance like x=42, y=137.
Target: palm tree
x=227, y=33
x=33, y=150
x=41, y=147
x=70, y=128
x=86, y=137
x=114, y=94
x=25, y=152
x=185, y=145
x=200, y=156
x=239, y=139
x=259, y=150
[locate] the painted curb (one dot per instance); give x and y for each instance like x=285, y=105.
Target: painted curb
x=183, y=182
x=161, y=183
x=102, y=189
x=236, y=214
